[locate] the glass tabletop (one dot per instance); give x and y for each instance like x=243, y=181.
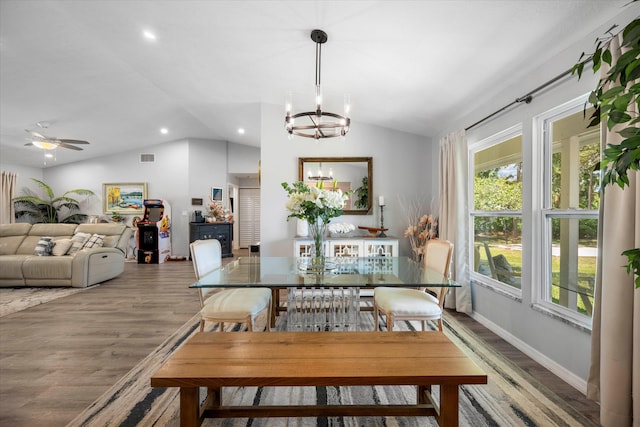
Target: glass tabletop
x=292, y=272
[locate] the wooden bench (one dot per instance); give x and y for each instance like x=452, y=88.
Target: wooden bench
x=215, y=360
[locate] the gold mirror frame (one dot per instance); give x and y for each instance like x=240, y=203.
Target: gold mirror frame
x=327, y=162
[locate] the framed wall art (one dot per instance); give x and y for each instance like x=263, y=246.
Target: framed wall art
x=124, y=198
x=216, y=194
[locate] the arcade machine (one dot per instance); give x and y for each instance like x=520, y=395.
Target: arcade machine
x=154, y=239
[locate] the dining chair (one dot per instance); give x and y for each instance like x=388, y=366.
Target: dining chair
x=237, y=305
x=422, y=304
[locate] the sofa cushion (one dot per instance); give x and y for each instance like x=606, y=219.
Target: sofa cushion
x=61, y=247
x=17, y=229
x=56, y=230
x=44, y=246
x=77, y=242
x=112, y=233
x=95, y=241
x=12, y=236
x=28, y=245
x=50, y=268
x=110, y=241
x=11, y=266
x=9, y=245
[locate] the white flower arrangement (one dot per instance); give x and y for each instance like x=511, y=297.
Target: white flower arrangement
x=314, y=204
x=341, y=228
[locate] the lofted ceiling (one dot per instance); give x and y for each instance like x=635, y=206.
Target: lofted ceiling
x=86, y=69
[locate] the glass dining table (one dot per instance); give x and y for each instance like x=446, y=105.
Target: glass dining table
x=326, y=300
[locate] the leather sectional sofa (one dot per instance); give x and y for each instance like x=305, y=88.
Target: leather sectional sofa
x=24, y=262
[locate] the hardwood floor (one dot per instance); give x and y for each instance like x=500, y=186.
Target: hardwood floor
x=58, y=357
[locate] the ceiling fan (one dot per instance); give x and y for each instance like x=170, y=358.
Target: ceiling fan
x=47, y=143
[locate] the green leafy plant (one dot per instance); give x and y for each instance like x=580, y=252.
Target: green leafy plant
x=116, y=217
x=49, y=208
x=612, y=98
x=362, y=194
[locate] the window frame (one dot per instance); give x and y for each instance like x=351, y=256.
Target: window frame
x=544, y=213
x=473, y=148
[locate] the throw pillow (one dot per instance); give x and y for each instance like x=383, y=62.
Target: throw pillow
x=78, y=240
x=95, y=241
x=61, y=247
x=44, y=246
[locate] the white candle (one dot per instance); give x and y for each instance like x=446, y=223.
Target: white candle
x=381, y=201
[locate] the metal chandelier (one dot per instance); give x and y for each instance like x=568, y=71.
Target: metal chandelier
x=319, y=124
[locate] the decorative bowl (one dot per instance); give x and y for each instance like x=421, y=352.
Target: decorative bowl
x=372, y=230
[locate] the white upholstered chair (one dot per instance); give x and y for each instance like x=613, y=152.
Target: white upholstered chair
x=416, y=304
x=237, y=305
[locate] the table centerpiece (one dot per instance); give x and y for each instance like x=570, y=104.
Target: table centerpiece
x=317, y=206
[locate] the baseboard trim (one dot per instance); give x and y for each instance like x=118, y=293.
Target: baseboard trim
x=569, y=377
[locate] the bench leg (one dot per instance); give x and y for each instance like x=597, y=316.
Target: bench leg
x=424, y=394
x=189, y=407
x=448, y=406
x=214, y=398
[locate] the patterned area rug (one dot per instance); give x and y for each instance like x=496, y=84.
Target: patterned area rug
x=511, y=398
x=13, y=300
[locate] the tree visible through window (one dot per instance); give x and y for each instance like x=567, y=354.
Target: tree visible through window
x=497, y=209
x=570, y=213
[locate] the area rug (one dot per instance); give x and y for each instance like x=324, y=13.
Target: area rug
x=13, y=300
x=511, y=398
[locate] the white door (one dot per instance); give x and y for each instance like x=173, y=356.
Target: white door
x=249, y=216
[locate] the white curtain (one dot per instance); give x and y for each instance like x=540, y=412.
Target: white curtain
x=8, y=183
x=614, y=377
x=452, y=217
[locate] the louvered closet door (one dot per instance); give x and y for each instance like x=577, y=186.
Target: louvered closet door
x=249, y=216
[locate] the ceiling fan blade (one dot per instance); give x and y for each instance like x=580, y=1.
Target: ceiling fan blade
x=72, y=147
x=36, y=134
x=72, y=141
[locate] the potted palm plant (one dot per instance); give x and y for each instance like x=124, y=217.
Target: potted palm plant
x=50, y=208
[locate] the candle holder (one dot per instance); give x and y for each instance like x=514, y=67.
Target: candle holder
x=382, y=234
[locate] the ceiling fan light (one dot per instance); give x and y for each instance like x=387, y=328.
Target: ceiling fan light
x=45, y=145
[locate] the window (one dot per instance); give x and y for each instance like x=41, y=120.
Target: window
x=569, y=214
x=496, y=210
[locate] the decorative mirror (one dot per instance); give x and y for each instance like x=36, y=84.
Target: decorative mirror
x=346, y=173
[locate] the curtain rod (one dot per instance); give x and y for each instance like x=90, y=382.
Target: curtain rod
x=528, y=97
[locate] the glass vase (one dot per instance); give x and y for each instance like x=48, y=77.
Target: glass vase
x=317, y=230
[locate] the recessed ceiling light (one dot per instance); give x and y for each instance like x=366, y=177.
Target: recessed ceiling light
x=241, y=131
x=149, y=35
x=164, y=131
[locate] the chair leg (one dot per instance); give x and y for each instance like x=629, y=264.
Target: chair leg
x=376, y=317
x=440, y=324
x=201, y=325
x=250, y=324
x=221, y=327
x=271, y=314
x=390, y=322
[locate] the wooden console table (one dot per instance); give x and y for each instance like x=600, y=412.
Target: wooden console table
x=215, y=360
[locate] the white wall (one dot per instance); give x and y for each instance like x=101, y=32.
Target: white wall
x=243, y=159
x=401, y=170
x=562, y=347
x=24, y=175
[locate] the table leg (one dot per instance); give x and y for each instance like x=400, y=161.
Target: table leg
x=275, y=304
x=189, y=407
x=448, y=406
